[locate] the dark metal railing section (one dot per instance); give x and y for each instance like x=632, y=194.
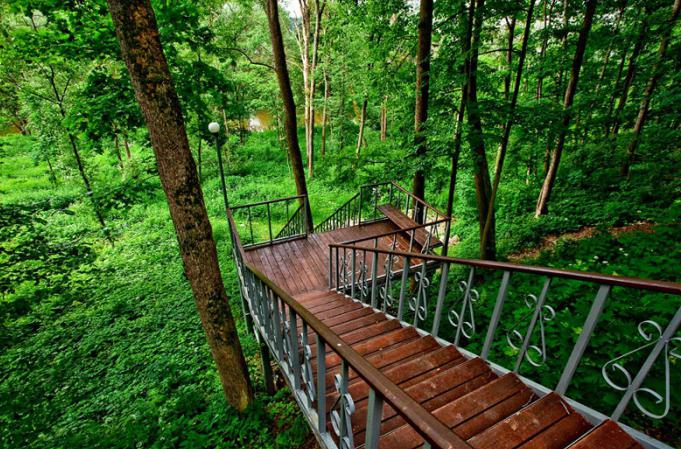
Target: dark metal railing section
x=277, y=316
x=416, y=288
x=364, y=207
x=268, y=222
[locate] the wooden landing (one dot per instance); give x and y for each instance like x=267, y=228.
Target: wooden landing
x=487, y=410
x=302, y=265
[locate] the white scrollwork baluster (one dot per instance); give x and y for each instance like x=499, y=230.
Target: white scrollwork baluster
x=652, y=333
x=535, y=354
x=362, y=281
x=308, y=375
x=419, y=302
x=466, y=314
x=341, y=417
x=385, y=291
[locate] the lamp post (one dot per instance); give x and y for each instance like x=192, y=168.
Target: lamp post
x=214, y=129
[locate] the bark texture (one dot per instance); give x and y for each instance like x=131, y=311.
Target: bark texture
x=549, y=181
x=290, y=121
x=141, y=49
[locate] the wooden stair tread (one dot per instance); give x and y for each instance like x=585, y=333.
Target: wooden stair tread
x=404, y=222
x=607, y=435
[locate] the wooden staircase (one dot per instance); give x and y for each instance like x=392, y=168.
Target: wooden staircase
x=487, y=410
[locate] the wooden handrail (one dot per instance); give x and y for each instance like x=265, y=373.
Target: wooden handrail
x=423, y=422
x=262, y=203
x=420, y=200
x=673, y=288
x=396, y=231
x=235, y=232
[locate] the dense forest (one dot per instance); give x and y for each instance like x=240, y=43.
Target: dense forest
x=549, y=130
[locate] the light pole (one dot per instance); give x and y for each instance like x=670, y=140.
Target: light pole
x=214, y=129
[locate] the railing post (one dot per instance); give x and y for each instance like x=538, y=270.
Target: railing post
x=361, y=189
x=278, y=328
x=440, y=299
x=294, y=358
x=374, y=415
x=354, y=256
x=269, y=221
x=321, y=385
x=496, y=315
x=662, y=342
x=374, y=275
x=530, y=330
x=330, y=267
x=267, y=367
x=403, y=288
x=583, y=340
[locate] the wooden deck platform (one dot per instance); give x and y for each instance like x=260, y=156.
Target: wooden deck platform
x=487, y=410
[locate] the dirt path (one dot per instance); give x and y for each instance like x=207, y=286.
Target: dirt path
x=549, y=241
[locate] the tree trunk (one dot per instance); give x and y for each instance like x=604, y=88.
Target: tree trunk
x=547, y=187
x=615, y=91
x=649, y=90
x=126, y=145
x=384, y=118
x=362, y=120
x=483, y=186
x=143, y=55
x=421, y=107
x=509, y=57
x=117, y=150
x=324, y=113
x=465, y=70
x=290, y=121
x=507, y=128
x=542, y=53
x=631, y=71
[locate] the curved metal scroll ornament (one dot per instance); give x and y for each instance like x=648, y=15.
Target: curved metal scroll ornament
x=652, y=336
x=515, y=338
x=362, y=281
x=385, y=292
x=288, y=343
x=419, y=302
x=308, y=375
x=341, y=417
x=470, y=297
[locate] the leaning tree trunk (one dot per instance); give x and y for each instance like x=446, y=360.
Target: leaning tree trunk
x=547, y=187
x=422, y=91
x=290, y=121
x=483, y=185
x=143, y=55
x=325, y=117
x=631, y=71
x=362, y=121
x=507, y=127
x=650, y=89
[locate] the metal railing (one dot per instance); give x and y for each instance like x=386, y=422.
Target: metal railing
x=272, y=221
x=364, y=207
x=449, y=298
x=291, y=332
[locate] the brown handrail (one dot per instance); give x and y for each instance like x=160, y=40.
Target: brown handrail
x=430, y=428
x=673, y=288
x=262, y=203
x=420, y=200
x=396, y=231
x=235, y=232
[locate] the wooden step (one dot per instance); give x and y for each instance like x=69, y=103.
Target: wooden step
x=404, y=222
x=607, y=435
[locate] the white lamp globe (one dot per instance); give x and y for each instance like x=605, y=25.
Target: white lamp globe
x=214, y=127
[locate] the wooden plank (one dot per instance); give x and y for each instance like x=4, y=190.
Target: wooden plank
x=608, y=435
x=523, y=425
x=561, y=434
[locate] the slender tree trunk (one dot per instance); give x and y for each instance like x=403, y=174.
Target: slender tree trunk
x=548, y=16
x=117, y=150
x=509, y=57
x=650, y=89
x=324, y=112
x=507, y=127
x=290, y=121
x=143, y=55
x=362, y=120
x=615, y=91
x=483, y=185
x=465, y=70
x=631, y=71
x=53, y=174
x=126, y=145
x=422, y=93
x=547, y=187
x=384, y=118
